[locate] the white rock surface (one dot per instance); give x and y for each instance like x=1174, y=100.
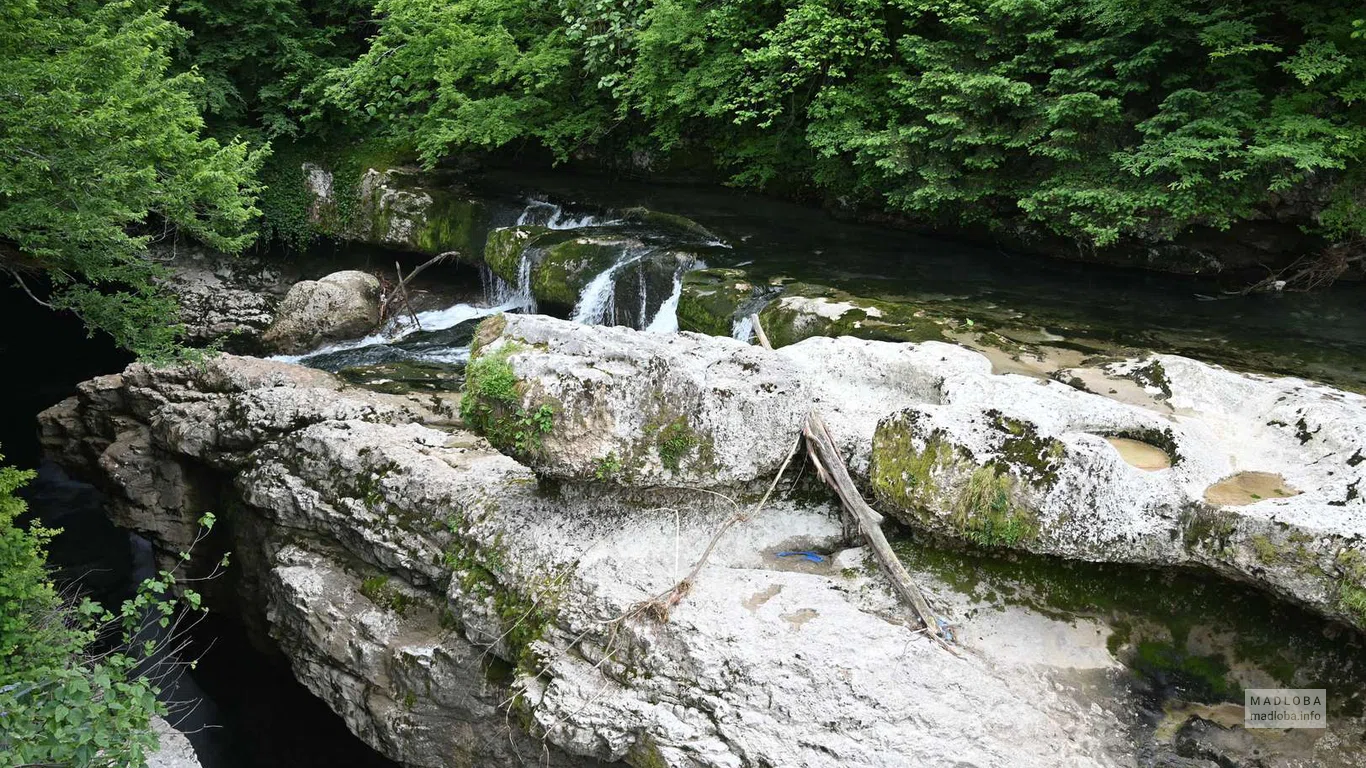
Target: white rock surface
x=396, y=561
x=616, y=392
x=173, y=749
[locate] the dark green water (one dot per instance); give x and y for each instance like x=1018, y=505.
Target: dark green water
x=1320, y=335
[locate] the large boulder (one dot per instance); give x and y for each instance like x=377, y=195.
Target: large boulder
x=398, y=208
x=342, y=305
x=457, y=611
x=1161, y=460
x=712, y=300
x=1256, y=477
x=683, y=409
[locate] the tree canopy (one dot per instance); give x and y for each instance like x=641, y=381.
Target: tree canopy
x=1092, y=119
x=102, y=152
x=1101, y=121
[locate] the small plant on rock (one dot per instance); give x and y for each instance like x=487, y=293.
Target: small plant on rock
x=675, y=440
x=607, y=467
x=492, y=404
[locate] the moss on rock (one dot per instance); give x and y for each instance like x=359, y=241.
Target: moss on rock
x=805, y=310
x=504, y=247
x=1025, y=452
x=710, y=299
x=567, y=266
x=1352, y=587
x=938, y=486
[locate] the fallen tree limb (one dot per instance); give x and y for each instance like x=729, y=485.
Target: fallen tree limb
x=402, y=288
x=821, y=447
x=759, y=332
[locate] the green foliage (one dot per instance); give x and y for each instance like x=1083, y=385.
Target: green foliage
x=986, y=514
x=675, y=440
x=1352, y=594
x=491, y=404
x=607, y=467
x=378, y=591
x=61, y=703
x=286, y=200
x=261, y=61
x=480, y=73
x=1097, y=120
x=97, y=141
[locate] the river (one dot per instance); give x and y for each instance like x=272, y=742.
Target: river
x=266, y=718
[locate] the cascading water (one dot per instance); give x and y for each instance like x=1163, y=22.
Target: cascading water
x=543, y=213
x=524, y=297
x=666, y=319
x=742, y=324
x=389, y=345
x=597, y=300
x=742, y=328
x=643, y=288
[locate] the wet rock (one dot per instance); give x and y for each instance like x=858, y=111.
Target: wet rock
x=398, y=208
x=503, y=250
x=342, y=305
x=804, y=311
x=566, y=261
x=403, y=376
x=712, y=299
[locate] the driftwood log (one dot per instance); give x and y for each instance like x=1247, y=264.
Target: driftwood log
x=860, y=517
x=866, y=520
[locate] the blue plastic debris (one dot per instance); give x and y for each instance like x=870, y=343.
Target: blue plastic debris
x=812, y=556
x=945, y=629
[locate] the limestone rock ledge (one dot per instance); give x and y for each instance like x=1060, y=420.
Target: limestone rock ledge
x=457, y=610
x=1264, y=483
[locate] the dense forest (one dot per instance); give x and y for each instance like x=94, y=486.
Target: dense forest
x=1094, y=123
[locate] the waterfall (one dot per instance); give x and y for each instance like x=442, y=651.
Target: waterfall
x=597, y=301
x=524, y=297
x=666, y=319
x=551, y=216
x=496, y=289
x=432, y=320
x=741, y=326
x=643, y=289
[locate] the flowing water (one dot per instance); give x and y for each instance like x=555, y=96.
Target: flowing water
x=1321, y=335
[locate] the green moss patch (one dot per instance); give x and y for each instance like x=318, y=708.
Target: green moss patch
x=675, y=441
x=379, y=591
x=492, y=404
x=944, y=490
x=503, y=249
x=567, y=266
